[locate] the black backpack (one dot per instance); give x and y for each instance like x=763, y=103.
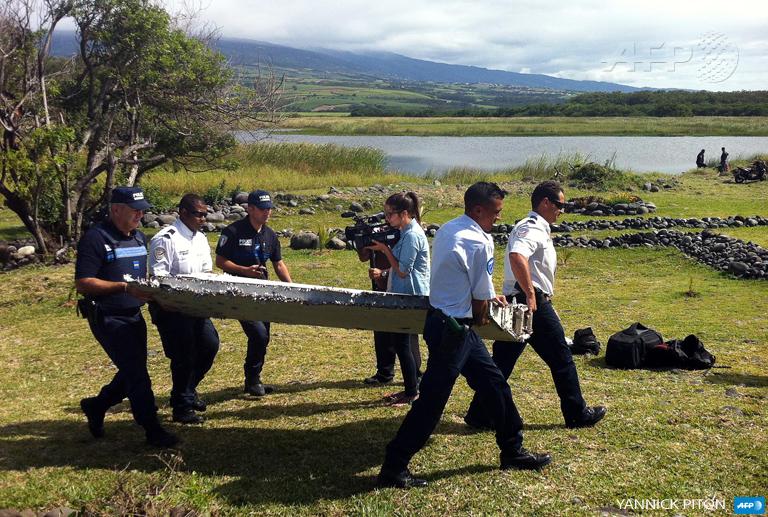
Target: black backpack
x=689, y=354
x=629, y=348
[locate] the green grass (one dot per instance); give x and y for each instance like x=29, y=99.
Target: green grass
x=533, y=126
x=314, y=447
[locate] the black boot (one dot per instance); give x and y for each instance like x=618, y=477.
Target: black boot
x=253, y=386
x=402, y=479
x=94, y=412
x=590, y=417
x=524, y=460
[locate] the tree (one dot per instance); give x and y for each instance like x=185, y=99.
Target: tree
x=140, y=93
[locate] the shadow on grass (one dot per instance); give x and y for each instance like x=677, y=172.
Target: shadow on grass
x=752, y=381
x=262, y=466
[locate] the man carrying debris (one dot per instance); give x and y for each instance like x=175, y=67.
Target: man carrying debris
x=190, y=343
x=461, y=287
x=529, y=277
x=109, y=252
x=244, y=248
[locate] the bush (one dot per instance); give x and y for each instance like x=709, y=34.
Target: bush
x=216, y=194
x=161, y=202
x=601, y=177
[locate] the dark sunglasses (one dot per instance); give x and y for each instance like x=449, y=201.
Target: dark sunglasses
x=558, y=204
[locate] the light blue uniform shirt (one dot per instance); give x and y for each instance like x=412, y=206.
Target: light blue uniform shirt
x=462, y=267
x=412, y=254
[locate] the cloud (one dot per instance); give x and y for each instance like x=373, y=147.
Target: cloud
x=577, y=40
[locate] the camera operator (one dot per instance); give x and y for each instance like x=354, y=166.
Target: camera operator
x=408, y=273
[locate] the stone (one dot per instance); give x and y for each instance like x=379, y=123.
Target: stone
x=148, y=218
x=25, y=251
x=738, y=268
x=240, y=198
x=305, y=241
x=647, y=186
x=731, y=392
x=215, y=217
x=654, y=188
x=356, y=207
x=306, y=211
x=437, y=183
x=293, y=203
x=642, y=210
x=166, y=218
x=336, y=244
x=153, y=224
x=234, y=216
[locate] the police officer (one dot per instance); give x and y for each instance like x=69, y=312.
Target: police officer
x=190, y=343
x=244, y=248
x=529, y=277
x=461, y=288
x=106, y=253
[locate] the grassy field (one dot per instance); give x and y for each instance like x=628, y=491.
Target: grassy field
x=314, y=447
x=532, y=126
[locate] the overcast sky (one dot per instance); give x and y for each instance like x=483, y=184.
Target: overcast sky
x=707, y=44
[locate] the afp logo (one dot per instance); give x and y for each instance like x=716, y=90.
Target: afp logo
x=749, y=505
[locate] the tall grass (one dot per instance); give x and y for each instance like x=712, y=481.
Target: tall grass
x=283, y=166
x=538, y=168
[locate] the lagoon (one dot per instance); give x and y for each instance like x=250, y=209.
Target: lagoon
x=422, y=154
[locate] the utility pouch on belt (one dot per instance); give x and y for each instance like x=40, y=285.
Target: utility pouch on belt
x=453, y=333
x=85, y=307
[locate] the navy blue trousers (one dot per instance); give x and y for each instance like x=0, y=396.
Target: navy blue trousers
x=467, y=357
x=191, y=344
x=123, y=336
x=548, y=340
x=258, y=340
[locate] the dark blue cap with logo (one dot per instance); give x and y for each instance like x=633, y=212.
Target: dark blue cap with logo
x=131, y=196
x=260, y=199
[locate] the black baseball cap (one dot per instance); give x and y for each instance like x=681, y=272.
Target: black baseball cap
x=260, y=199
x=131, y=196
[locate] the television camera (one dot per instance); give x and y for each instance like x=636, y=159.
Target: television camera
x=369, y=228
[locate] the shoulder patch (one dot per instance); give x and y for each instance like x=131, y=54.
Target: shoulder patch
x=222, y=240
x=489, y=265
x=159, y=253
x=521, y=230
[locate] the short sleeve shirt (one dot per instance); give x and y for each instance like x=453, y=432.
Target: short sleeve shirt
x=462, y=267
x=243, y=245
x=532, y=239
x=177, y=250
x=412, y=254
x=106, y=253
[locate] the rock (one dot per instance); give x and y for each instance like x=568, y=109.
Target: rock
x=731, y=392
x=336, y=244
x=26, y=251
x=576, y=500
x=367, y=204
x=738, y=268
x=642, y=210
x=240, y=198
x=215, y=217
x=647, y=186
x=153, y=224
x=437, y=183
x=654, y=188
x=356, y=207
x=305, y=241
x=293, y=203
x=167, y=218
x=148, y=218
x=323, y=198
x=306, y=211
x=234, y=216
x=334, y=190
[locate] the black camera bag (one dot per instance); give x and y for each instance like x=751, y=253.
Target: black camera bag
x=629, y=348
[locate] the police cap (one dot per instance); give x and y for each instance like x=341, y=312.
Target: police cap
x=131, y=196
x=260, y=199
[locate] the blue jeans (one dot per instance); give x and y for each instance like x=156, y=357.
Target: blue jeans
x=191, y=344
x=548, y=340
x=447, y=360
x=123, y=336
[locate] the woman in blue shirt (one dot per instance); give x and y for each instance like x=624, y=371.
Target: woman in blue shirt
x=408, y=274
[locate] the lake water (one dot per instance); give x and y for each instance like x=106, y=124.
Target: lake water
x=421, y=154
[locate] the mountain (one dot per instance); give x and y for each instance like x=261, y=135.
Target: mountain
x=386, y=65
x=372, y=65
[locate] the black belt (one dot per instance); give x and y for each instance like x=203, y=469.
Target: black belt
x=462, y=321
x=538, y=291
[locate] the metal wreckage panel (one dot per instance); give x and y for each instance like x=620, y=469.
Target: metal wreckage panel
x=226, y=296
